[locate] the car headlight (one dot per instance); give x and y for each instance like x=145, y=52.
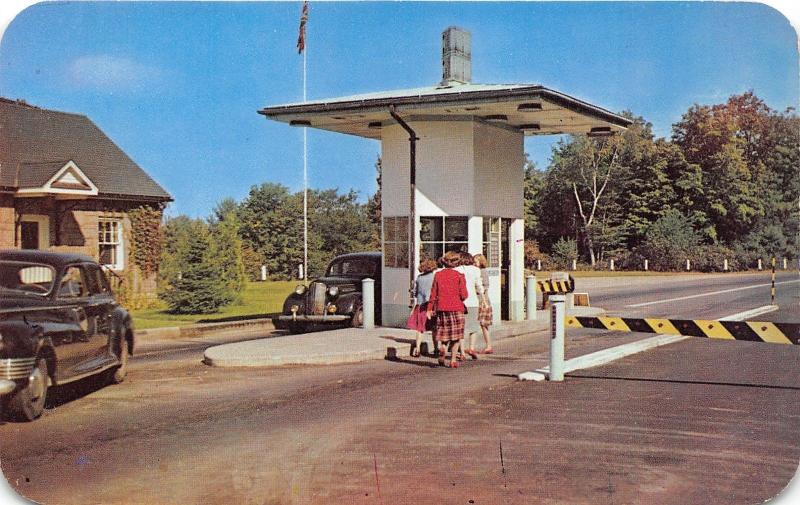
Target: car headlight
x=333, y=290
x=300, y=289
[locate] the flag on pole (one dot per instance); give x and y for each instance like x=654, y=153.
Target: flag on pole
x=301, y=38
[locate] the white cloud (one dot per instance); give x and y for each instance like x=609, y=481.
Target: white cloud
x=109, y=72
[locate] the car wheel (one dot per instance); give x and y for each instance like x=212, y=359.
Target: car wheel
x=357, y=321
x=119, y=372
x=28, y=403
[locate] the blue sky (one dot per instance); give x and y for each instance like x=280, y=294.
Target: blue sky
x=177, y=85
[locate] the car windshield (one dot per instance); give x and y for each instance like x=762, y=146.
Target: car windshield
x=353, y=266
x=26, y=277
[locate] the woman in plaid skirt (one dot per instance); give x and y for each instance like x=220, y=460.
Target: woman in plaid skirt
x=447, y=299
x=485, y=309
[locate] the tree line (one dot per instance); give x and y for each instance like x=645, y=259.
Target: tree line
x=724, y=186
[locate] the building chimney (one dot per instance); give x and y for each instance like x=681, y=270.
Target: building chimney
x=456, y=56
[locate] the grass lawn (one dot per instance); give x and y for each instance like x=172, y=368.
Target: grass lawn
x=258, y=299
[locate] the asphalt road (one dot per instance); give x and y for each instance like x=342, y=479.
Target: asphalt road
x=699, y=421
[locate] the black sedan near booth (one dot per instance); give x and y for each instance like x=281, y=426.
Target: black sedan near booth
x=59, y=322
x=335, y=298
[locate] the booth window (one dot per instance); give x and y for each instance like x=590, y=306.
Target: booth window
x=439, y=234
x=491, y=241
x=110, y=243
x=395, y=242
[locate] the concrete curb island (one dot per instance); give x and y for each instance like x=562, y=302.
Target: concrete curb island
x=196, y=330
x=351, y=345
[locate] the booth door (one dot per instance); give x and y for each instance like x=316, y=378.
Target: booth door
x=505, y=268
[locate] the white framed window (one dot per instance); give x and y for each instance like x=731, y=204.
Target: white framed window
x=395, y=242
x=439, y=234
x=110, y=247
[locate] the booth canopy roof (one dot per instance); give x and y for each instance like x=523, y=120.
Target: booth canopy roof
x=532, y=109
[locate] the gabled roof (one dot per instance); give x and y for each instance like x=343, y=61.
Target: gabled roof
x=35, y=144
x=530, y=108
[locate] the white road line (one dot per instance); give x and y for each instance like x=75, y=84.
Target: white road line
x=711, y=293
x=741, y=316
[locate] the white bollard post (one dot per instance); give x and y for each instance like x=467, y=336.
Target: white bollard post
x=725, y=265
x=300, y=271
x=530, y=297
x=645, y=265
x=612, y=265
x=785, y=264
x=574, y=264
x=557, y=338
x=368, y=302
x=539, y=265
x=263, y=272
x=759, y=263
x=688, y=265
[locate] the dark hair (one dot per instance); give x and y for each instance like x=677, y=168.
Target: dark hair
x=466, y=258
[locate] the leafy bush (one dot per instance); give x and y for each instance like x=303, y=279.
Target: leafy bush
x=565, y=250
x=534, y=254
x=669, y=242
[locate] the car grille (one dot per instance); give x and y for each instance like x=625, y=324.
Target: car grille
x=316, y=298
x=16, y=368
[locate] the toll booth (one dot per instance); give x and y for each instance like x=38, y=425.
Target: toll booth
x=452, y=160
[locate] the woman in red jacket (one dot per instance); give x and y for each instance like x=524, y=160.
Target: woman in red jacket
x=447, y=297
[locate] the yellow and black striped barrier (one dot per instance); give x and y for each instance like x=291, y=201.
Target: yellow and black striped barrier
x=776, y=333
x=555, y=287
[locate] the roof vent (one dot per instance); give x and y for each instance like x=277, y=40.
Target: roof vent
x=456, y=56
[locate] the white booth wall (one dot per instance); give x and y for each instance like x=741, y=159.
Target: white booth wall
x=463, y=168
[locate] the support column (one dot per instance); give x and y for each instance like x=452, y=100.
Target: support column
x=516, y=273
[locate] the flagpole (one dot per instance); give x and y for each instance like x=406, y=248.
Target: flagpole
x=305, y=177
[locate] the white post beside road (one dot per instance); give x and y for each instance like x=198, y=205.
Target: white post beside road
x=368, y=302
x=645, y=265
x=530, y=298
x=557, y=337
x=688, y=265
x=725, y=264
x=574, y=264
x=263, y=272
x=612, y=265
x=785, y=264
x=759, y=264
x=300, y=272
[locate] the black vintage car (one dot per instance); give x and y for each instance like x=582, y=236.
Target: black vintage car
x=335, y=298
x=59, y=323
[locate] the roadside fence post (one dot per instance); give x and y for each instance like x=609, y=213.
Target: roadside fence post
x=574, y=264
x=557, y=337
x=612, y=265
x=725, y=265
x=759, y=264
x=530, y=298
x=263, y=272
x=300, y=272
x=784, y=263
x=688, y=265
x=539, y=265
x=772, y=290
x=368, y=302
x=645, y=265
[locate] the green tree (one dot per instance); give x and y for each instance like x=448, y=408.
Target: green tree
x=191, y=278
x=226, y=250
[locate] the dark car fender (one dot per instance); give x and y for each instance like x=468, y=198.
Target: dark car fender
x=347, y=303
